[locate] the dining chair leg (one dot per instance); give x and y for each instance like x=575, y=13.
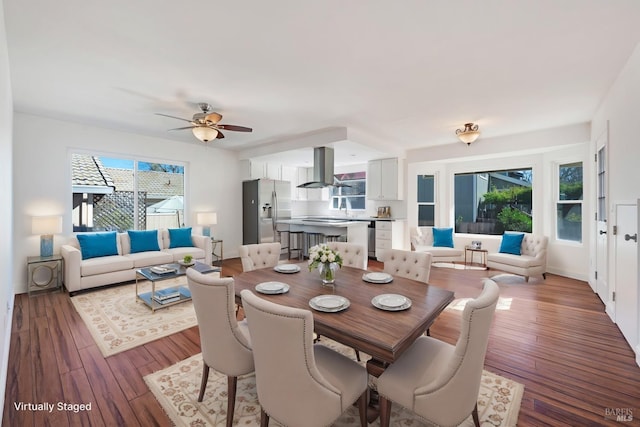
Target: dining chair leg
x=203, y=383
x=385, y=411
x=232, y=382
x=264, y=418
x=474, y=414
x=363, y=402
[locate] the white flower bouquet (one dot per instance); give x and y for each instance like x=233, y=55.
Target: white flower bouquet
x=325, y=260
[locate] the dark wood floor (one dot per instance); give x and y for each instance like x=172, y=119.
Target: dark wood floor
x=552, y=336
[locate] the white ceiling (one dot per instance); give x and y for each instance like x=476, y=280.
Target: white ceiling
x=396, y=75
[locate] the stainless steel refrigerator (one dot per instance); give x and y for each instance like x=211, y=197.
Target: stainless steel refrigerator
x=264, y=203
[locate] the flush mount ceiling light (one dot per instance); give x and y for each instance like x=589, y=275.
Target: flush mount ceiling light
x=469, y=134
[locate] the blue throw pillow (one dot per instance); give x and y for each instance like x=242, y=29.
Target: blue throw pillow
x=443, y=237
x=511, y=243
x=142, y=241
x=180, y=238
x=94, y=245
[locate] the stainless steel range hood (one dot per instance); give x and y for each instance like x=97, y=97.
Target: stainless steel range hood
x=322, y=168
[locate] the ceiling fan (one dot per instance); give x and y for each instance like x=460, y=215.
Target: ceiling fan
x=205, y=125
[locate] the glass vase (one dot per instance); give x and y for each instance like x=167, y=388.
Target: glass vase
x=328, y=272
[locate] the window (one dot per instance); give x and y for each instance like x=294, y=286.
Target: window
x=352, y=197
x=426, y=200
x=569, y=204
x=125, y=194
x=493, y=202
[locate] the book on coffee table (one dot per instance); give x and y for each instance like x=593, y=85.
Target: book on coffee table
x=167, y=300
x=163, y=294
x=163, y=269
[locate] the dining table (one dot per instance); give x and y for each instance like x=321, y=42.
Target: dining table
x=383, y=334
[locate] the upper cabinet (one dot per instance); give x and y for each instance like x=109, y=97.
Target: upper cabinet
x=384, y=179
x=252, y=169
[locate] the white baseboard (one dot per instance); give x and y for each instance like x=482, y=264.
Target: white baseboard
x=7, y=350
x=637, y=351
x=570, y=274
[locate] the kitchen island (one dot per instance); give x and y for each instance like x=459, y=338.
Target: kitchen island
x=353, y=231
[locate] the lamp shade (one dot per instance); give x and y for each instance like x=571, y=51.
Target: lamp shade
x=207, y=218
x=46, y=225
x=204, y=133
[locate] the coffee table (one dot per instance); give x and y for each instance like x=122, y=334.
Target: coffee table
x=182, y=292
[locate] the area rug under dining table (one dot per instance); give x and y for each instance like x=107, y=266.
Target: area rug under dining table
x=118, y=322
x=176, y=389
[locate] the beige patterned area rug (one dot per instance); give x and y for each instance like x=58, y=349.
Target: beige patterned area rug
x=118, y=322
x=177, y=387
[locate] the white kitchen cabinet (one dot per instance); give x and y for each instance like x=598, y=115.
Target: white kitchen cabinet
x=389, y=235
x=384, y=179
x=257, y=170
x=273, y=171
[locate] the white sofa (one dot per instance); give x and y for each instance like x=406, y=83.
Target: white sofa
x=89, y=273
x=532, y=261
x=422, y=241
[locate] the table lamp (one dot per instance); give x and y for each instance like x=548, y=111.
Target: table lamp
x=46, y=227
x=206, y=220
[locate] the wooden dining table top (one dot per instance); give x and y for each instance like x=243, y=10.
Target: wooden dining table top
x=384, y=335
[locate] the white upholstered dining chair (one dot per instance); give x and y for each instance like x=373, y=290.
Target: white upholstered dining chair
x=259, y=255
x=439, y=381
x=353, y=255
x=225, y=342
x=409, y=264
x=299, y=383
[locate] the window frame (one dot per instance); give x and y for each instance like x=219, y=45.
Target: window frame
x=136, y=160
x=340, y=197
x=558, y=201
x=489, y=169
x=434, y=176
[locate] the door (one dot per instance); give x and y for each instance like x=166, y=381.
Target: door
x=626, y=271
x=601, y=281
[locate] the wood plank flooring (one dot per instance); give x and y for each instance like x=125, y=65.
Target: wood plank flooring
x=553, y=336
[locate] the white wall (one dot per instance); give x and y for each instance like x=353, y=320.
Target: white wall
x=621, y=107
x=569, y=144
x=42, y=179
x=6, y=223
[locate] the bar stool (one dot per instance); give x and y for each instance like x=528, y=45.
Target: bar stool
x=296, y=243
x=331, y=238
x=313, y=239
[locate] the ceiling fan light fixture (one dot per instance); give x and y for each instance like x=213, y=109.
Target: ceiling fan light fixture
x=204, y=133
x=469, y=134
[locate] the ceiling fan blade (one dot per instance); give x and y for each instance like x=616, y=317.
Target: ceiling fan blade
x=235, y=128
x=186, y=127
x=173, y=117
x=213, y=118
x=220, y=135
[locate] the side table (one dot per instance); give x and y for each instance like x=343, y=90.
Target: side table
x=473, y=251
x=45, y=273
x=217, y=257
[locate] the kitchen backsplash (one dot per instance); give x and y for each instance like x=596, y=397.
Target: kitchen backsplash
x=321, y=208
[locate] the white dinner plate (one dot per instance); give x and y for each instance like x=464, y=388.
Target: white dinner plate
x=329, y=303
x=377, y=277
x=391, y=302
x=272, y=288
x=287, y=268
